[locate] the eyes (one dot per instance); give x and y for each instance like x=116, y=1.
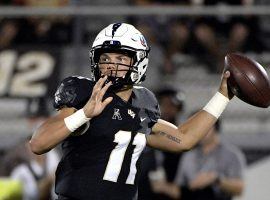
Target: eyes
x=117, y=59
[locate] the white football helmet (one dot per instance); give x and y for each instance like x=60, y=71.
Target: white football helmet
x=121, y=38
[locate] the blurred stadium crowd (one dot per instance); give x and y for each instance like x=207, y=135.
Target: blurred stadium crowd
x=206, y=38
x=175, y=42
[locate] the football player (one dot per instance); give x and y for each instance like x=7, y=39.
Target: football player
x=105, y=123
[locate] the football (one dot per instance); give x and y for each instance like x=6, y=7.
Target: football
x=248, y=80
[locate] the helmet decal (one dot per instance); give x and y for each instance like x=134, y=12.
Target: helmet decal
x=143, y=41
x=115, y=27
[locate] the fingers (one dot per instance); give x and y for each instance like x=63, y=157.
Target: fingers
x=227, y=74
x=105, y=88
x=224, y=89
x=99, y=90
x=103, y=91
x=98, y=87
x=107, y=101
x=100, y=83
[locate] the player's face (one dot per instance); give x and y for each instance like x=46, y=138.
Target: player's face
x=114, y=64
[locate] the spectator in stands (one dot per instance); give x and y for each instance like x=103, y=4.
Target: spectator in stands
x=158, y=22
x=9, y=27
x=45, y=30
x=157, y=57
x=216, y=36
x=264, y=21
x=180, y=41
x=49, y=30
x=218, y=172
x=212, y=171
x=56, y=30
x=36, y=173
x=148, y=164
x=8, y=32
x=15, y=155
x=207, y=38
x=161, y=165
x=91, y=25
x=171, y=107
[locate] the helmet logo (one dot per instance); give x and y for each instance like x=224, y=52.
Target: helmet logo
x=115, y=27
x=143, y=42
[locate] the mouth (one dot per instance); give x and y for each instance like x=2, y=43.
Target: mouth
x=113, y=73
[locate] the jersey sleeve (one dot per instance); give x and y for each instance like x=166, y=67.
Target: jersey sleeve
x=73, y=92
x=147, y=100
x=154, y=112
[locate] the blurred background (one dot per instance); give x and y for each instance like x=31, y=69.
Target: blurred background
x=41, y=42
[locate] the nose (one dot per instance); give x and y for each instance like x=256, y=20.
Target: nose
x=110, y=69
x=111, y=66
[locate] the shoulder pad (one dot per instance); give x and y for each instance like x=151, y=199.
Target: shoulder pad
x=74, y=92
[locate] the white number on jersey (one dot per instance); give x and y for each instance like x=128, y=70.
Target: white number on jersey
x=122, y=138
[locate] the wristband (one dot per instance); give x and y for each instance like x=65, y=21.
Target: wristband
x=216, y=105
x=76, y=120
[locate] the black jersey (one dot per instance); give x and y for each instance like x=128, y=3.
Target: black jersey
x=104, y=163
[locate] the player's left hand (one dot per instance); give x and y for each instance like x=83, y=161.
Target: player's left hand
x=95, y=104
x=224, y=89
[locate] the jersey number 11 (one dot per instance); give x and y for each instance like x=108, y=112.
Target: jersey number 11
x=122, y=138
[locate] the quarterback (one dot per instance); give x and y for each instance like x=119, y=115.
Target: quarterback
x=104, y=122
